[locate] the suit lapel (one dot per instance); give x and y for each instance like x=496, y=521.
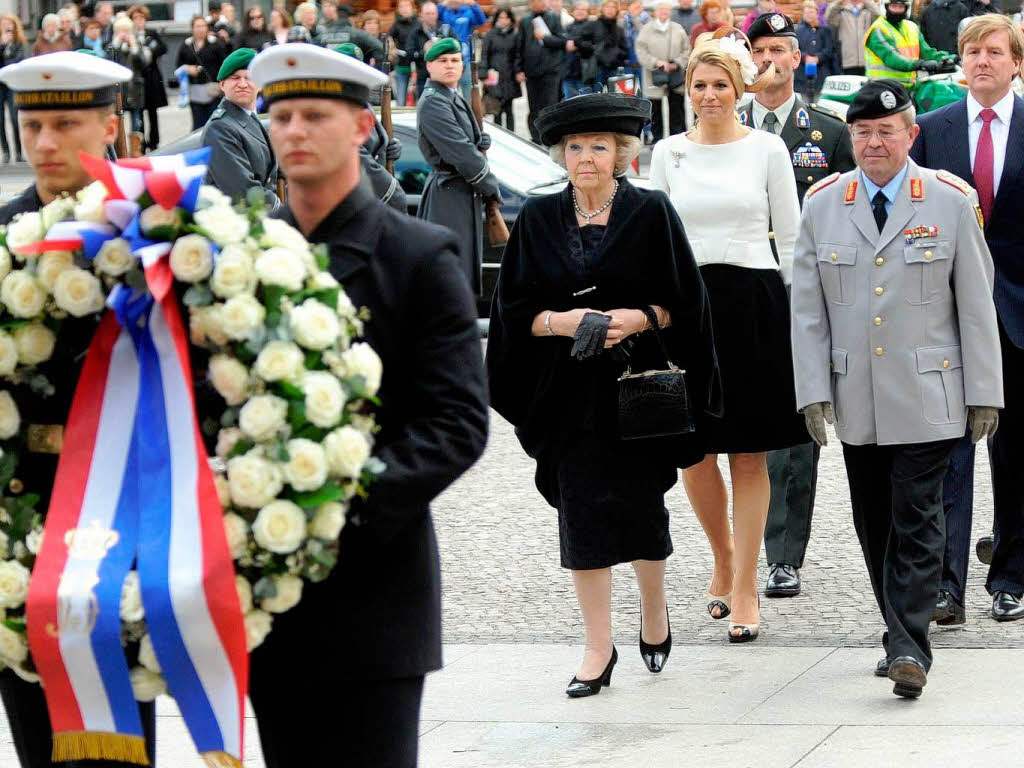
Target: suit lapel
x=959, y=143
x=1013, y=162
x=792, y=133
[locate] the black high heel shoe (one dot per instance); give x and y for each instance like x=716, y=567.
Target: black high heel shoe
x=655, y=656
x=579, y=688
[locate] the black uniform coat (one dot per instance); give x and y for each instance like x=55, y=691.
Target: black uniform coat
x=242, y=157
x=378, y=616
x=156, y=92
x=373, y=157
x=643, y=259
x=461, y=181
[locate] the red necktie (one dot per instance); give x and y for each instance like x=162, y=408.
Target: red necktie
x=983, y=165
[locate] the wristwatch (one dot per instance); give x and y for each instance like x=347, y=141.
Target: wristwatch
x=547, y=323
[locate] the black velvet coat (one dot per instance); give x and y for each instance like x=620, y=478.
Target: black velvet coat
x=643, y=259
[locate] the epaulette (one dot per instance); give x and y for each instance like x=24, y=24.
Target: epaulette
x=955, y=181
x=218, y=112
x=821, y=184
x=827, y=112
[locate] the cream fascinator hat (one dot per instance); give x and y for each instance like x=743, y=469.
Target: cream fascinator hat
x=736, y=45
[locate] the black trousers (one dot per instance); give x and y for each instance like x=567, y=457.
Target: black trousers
x=26, y=711
x=676, y=116
x=358, y=724
x=152, y=117
x=541, y=91
x=794, y=478
x=896, y=493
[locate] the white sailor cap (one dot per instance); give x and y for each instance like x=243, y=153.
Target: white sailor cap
x=303, y=71
x=64, y=80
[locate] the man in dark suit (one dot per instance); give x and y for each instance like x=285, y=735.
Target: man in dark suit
x=539, y=57
x=819, y=145
x=981, y=139
x=364, y=638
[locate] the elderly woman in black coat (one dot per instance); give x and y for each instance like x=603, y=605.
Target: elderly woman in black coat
x=579, y=271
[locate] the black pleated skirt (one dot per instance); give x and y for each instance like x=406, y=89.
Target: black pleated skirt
x=750, y=312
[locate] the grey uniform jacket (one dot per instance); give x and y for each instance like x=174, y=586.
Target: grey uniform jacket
x=897, y=330
x=241, y=157
x=450, y=140
x=373, y=157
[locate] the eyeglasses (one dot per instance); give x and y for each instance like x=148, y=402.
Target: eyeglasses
x=863, y=133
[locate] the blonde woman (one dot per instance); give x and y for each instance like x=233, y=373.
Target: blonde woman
x=727, y=182
x=12, y=50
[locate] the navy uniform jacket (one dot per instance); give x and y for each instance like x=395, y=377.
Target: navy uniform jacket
x=378, y=615
x=241, y=157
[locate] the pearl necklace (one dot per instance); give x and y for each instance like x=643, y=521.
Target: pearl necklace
x=588, y=216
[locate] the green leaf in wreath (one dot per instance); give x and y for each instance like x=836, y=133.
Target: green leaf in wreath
x=279, y=452
x=243, y=352
x=313, y=360
x=198, y=295
x=8, y=465
x=289, y=391
x=329, y=492
x=326, y=558
x=255, y=199
x=322, y=255
x=311, y=432
x=296, y=414
x=15, y=625
x=264, y=588
x=229, y=418
x=240, y=448
x=13, y=324
x=209, y=427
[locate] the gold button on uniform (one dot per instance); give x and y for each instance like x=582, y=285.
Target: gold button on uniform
x=810, y=178
x=945, y=363
x=879, y=291
x=879, y=351
x=879, y=261
x=928, y=254
x=834, y=256
x=878, y=321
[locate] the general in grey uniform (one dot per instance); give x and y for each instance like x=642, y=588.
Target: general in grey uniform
x=819, y=144
x=241, y=158
x=894, y=330
x=453, y=144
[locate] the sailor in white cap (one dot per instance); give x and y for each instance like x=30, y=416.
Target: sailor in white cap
x=375, y=623
x=66, y=103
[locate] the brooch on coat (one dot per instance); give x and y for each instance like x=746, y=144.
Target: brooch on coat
x=676, y=157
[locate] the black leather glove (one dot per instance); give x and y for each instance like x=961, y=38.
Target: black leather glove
x=929, y=66
x=588, y=341
x=485, y=142
x=393, y=151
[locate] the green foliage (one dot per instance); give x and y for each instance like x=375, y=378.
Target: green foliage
x=313, y=499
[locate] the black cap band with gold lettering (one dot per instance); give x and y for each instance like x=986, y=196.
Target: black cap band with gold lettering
x=66, y=99
x=315, y=88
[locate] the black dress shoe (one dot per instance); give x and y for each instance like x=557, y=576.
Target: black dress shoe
x=882, y=667
x=655, y=656
x=579, y=688
x=1006, y=607
x=783, y=581
x=948, y=612
x=909, y=675
x=984, y=549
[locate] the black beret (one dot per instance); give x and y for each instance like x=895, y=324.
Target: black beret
x=772, y=24
x=878, y=98
x=593, y=113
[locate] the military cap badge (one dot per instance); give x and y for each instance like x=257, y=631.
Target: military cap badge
x=888, y=99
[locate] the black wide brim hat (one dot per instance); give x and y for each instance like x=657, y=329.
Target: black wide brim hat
x=593, y=113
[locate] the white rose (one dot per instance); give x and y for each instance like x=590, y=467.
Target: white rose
x=5, y=262
x=131, y=598
x=325, y=398
x=51, y=264
x=114, y=257
x=204, y=325
x=278, y=233
x=345, y=306
x=24, y=674
x=147, y=656
x=35, y=343
x=347, y=450
x=34, y=540
x=8, y=354
x=58, y=209
x=280, y=527
x=13, y=584
x=78, y=292
x=226, y=440
x=13, y=646
x=222, y=224
x=328, y=520
x=24, y=230
x=262, y=417
x=230, y=378
x=361, y=360
x=234, y=273
x=253, y=481
x=159, y=223
x=10, y=418
x=282, y=267
x=244, y=593
x=223, y=491
x=315, y=325
x=237, y=532
x=191, y=258
x=322, y=281
x=241, y=316
x=279, y=361
x=306, y=469
x=146, y=685
x=211, y=196
x=289, y=592
x=22, y=294
x=90, y=203
x=257, y=627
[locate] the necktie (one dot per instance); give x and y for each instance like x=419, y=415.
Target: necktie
x=769, y=123
x=878, y=209
x=983, y=181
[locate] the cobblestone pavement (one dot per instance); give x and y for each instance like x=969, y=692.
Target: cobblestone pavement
x=502, y=581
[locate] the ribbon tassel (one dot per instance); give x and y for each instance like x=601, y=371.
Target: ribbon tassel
x=72, y=746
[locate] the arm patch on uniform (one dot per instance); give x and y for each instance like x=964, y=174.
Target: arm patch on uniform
x=954, y=181
x=821, y=184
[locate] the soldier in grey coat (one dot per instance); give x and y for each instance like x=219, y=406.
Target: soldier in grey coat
x=454, y=145
x=241, y=157
x=895, y=341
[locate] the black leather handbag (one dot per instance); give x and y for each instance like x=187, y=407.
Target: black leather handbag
x=654, y=403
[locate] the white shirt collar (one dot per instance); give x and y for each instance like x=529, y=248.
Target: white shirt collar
x=782, y=112
x=1003, y=108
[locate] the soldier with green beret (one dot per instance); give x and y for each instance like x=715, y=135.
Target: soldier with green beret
x=241, y=158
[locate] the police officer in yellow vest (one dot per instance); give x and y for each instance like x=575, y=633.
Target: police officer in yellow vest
x=896, y=49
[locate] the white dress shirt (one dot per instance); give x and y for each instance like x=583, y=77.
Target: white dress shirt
x=1000, y=128
x=782, y=113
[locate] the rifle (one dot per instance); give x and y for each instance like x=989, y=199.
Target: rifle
x=121, y=142
x=385, y=100
x=497, y=230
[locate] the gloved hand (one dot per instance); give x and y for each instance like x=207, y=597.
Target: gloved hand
x=393, y=151
x=983, y=421
x=590, y=335
x=815, y=416
x=485, y=142
x=928, y=66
